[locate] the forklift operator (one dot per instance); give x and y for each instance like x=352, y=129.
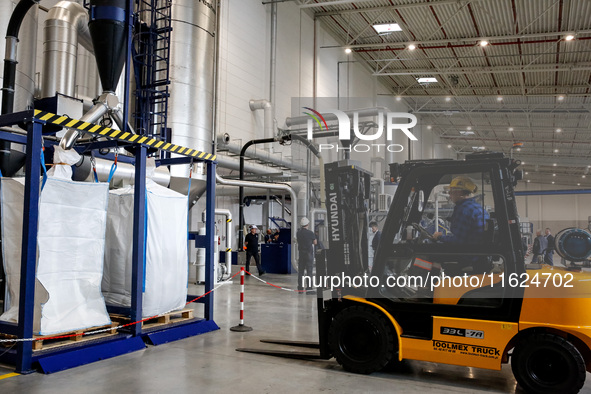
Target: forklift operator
x=468, y=218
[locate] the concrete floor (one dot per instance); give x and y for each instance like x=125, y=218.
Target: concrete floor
x=209, y=363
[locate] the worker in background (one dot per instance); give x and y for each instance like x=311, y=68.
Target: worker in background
x=251, y=244
x=539, y=248
x=468, y=218
x=306, y=241
x=549, y=255
x=268, y=236
x=377, y=236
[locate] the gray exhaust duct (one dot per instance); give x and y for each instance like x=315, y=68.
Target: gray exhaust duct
x=27, y=52
x=267, y=107
x=267, y=157
x=125, y=173
x=271, y=186
x=18, y=20
x=65, y=27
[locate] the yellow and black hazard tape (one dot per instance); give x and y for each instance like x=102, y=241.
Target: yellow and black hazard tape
x=118, y=135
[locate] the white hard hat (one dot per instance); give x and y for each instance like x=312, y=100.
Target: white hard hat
x=254, y=226
x=304, y=222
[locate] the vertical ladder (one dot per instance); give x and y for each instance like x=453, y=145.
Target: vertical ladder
x=152, y=66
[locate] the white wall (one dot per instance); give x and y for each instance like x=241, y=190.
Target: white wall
x=245, y=68
x=554, y=211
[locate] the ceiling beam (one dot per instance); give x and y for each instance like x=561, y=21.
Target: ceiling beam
x=504, y=128
x=476, y=138
x=335, y=2
x=427, y=91
x=504, y=56
x=392, y=7
x=463, y=40
x=553, y=67
x=519, y=111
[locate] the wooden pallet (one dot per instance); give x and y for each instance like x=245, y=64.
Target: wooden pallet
x=44, y=342
x=167, y=318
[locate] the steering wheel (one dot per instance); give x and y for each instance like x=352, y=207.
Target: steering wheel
x=424, y=233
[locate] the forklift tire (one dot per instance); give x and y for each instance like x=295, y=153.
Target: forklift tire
x=362, y=339
x=548, y=363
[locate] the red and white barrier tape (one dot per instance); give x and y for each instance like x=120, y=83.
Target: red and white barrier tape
x=123, y=325
x=275, y=286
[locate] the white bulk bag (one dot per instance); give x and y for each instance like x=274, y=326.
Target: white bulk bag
x=72, y=221
x=12, y=191
x=71, y=244
x=166, y=268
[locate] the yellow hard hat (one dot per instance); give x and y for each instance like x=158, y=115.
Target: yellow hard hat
x=463, y=183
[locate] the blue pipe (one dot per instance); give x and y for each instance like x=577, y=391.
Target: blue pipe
x=553, y=192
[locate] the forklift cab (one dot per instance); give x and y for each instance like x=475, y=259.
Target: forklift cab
x=477, y=241
x=466, y=236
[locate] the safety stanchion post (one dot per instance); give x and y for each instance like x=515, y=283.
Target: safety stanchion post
x=241, y=327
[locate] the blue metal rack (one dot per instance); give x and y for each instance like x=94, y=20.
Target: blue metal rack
x=49, y=361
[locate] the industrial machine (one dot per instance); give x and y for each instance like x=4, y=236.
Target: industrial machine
x=123, y=35
x=462, y=303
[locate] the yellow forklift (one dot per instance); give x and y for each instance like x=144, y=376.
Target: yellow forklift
x=464, y=299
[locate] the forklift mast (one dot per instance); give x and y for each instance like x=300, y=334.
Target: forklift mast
x=347, y=205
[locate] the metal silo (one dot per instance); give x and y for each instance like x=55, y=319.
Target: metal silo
x=192, y=73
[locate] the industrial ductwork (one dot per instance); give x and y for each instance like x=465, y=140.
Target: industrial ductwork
x=108, y=32
x=269, y=121
x=125, y=174
x=109, y=38
x=24, y=80
x=269, y=186
x=66, y=26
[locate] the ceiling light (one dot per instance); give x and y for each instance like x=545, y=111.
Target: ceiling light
x=483, y=43
x=398, y=98
x=584, y=176
x=429, y=127
x=469, y=128
x=522, y=163
x=478, y=148
x=411, y=47
x=500, y=98
x=553, y=174
x=554, y=164
x=528, y=180
x=518, y=149
x=552, y=182
x=348, y=50
x=560, y=98
x=448, y=99
x=386, y=28
x=558, y=130
x=526, y=173
x=578, y=184
x=449, y=146
x=555, y=150
x=464, y=132
x=570, y=37
x=427, y=80
x=510, y=128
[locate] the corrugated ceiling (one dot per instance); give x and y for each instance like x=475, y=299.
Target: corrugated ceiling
x=528, y=77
